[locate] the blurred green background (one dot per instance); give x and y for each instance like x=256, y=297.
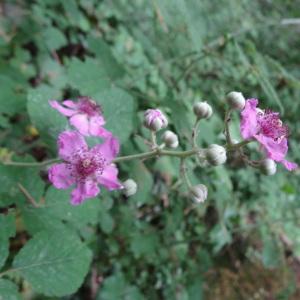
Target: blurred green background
x=244, y=241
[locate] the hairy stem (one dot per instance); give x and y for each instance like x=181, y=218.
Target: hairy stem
x=31, y=164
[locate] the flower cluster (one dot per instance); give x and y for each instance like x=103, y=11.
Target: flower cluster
x=82, y=167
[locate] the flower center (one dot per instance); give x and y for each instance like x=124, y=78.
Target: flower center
x=271, y=126
x=89, y=107
x=87, y=164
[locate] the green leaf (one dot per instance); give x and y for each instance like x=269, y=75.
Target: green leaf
x=8, y=229
x=116, y=287
x=47, y=120
x=54, y=263
x=88, y=76
x=8, y=290
x=119, y=111
x=54, y=38
x=57, y=209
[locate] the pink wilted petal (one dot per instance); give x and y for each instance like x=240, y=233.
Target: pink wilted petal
x=70, y=143
x=249, y=119
x=95, y=124
x=65, y=111
x=289, y=165
x=60, y=176
x=109, y=149
x=274, y=149
x=84, y=190
x=81, y=123
x=109, y=178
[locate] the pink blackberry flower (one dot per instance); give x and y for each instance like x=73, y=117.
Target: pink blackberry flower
x=155, y=119
x=85, y=115
x=266, y=127
x=85, y=168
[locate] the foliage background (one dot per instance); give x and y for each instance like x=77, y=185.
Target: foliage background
x=243, y=243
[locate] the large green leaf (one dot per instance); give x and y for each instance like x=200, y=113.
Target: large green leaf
x=118, y=107
x=8, y=290
x=48, y=121
x=57, y=209
x=54, y=263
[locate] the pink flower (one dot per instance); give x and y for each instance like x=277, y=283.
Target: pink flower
x=85, y=115
x=266, y=127
x=85, y=168
x=155, y=119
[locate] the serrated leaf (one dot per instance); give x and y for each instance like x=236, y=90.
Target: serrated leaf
x=54, y=263
x=48, y=121
x=88, y=76
x=119, y=108
x=57, y=209
x=8, y=290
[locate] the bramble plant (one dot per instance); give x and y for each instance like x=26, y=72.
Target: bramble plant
x=136, y=161
x=86, y=169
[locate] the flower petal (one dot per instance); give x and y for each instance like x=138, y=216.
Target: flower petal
x=65, y=111
x=109, y=149
x=83, y=191
x=289, y=165
x=109, y=178
x=60, y=176
x=81, y=123
x=274, y=150
x=70, y=104
x=70, y=142
x=249, y=119
x=95, y=125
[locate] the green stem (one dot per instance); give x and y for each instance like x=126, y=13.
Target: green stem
x=195, y=133
x=227, y=130
x=31, y=164
x=232, y=147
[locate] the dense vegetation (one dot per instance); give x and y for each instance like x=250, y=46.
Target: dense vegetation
x=242, y=243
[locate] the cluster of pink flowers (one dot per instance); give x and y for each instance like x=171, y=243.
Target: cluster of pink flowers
x=82, y=167
x=268, y=130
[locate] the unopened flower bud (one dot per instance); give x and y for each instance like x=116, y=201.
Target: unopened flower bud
x=130, y=187
x=202, y=110
x=199, y=193
x=170, y=139
x=155, y=119
x=216, y=155
x=268, y=166
x=236, y=100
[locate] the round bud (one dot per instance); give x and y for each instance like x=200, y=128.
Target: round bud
x=130, y=187
x=155, y=120
x=216, y=155
x=199, y=193
x=236, y=100
x=268, y=166
x=170, y=139
x=202, y=110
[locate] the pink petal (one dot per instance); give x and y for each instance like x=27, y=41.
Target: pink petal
x=83, y=191
x=248, y=120
x=95, y=125
x=81, y=123
x=289, y=165
x=70, y=104
x=65, y=111
x=60, y=176
x=274, y=150
x=109, y=178
x=109, y=149
x=70, y=143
